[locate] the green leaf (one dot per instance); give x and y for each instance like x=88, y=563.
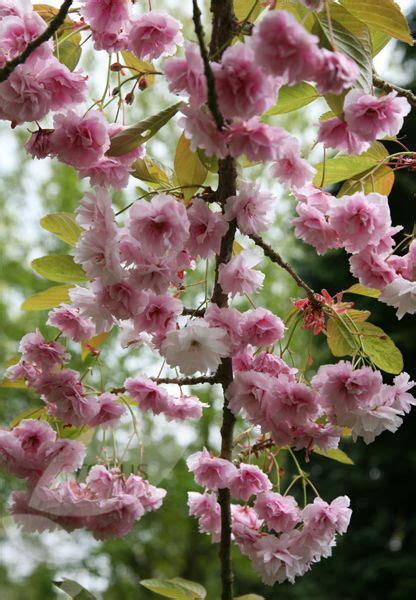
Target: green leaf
x=250, y=597
x=59, y=267
x=63, y=226
x=67, y=41
x=378, y=41
x=381, y=15
x=335, y=454
x=355, y=45
x=31, y=413
x=293, y=97
x=83, y=433
x=149, y=171
x=380, y=180
x=344, y=167
x=335, y=103
x=361, y=290
x=74, y=590
x=53, y=296
x=69, y=53
x=177, y=588
x=138, y=67
x=381, y=349
x=340, y=341
x=132, y=137
x=93, y=344
x=189, y=169
x=243, y=8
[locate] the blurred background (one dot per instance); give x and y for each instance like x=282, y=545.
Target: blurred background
x=374, y=560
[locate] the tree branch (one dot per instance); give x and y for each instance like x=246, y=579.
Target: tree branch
x=212, y=100
x=176, y=381
x=391, y=87
x=276, y=258
x=46, y=35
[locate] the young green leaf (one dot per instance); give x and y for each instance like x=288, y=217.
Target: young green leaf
x=63, y=226
x=335, y=454
x=132, y=137
x=177, y=588
x=361, y=290
x=149, y=171
x=243, y=8
x=381, y=15
x=293, y=97
x=344, y=167
x=380, y=180
x=53, y=296
x=381, y=349
x=74, y=590
x=189, y=168
x=138, y=67
x=59, y=267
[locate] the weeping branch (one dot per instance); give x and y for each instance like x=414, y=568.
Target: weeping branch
x=391, y=87
x=46, y=35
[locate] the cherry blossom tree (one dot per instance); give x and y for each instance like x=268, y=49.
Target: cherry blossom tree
x=131, y=269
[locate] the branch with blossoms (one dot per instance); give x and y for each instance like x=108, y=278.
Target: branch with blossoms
x=35, y=43
x=136, y=268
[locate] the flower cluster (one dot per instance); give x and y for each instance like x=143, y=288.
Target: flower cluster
x=107, y=504
x=280, y=539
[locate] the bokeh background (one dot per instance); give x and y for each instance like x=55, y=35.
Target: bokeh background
x=376, y=559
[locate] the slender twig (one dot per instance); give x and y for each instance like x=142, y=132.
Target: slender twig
x=276, y=258
x=193, y=312
x=212, y=99
x=175, y=381
x=391, y=87
x=46, y=35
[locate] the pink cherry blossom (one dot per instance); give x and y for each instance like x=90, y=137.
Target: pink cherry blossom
x=46, y=355
x=159, y=224
x=293, y=402
x=400, y=293
x=336, y=73
x=156, y=313
x=256, y=140
x=105, y=15
x=334, y=133
x=185, y=407
x=372, y=117
x=262, y=328
x=251, y=208
x=23, y=370
x=245, y=525
x=402, y=400
x=206, y=229
x=229, y=319
x=38, y=145
x=209, y=471
x=371, y=269
x=248, y=481
x=272, y=558
x=312, y=226
x=323, y=519
x=186, y=75
x=202, y=132
x=147, y=394
x=238, y=277
x=243, y=88
x=360, y=220
x=70, y=322
x=196, y=347
x=86, y=300
x=207, y=509
x=109, y=411
x=290, y=168
x=281, y=513
x=284, y=48
x=265, y=362
x=154, y=34
x=251, y=391
x=80, y=141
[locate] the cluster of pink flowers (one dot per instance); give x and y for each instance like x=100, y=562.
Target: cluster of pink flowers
x=297, y=415
x=115, y=28
x=41, y=367
x=362, y=225
x=107, y=504
x=40, y=85
x=366, y=118
x=281, y=540
x=247, y=82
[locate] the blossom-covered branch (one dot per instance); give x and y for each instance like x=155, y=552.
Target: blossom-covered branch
x=46, y=35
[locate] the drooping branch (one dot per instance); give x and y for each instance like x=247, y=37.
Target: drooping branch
x=175, y=381
x=46, y=35
x=276, y=258
x=212, y=99
x=391, y=87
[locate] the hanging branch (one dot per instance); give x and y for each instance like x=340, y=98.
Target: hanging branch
x=175, y=381
x=212, y=100
x=391, y=87
x=46, y=35
x=276, y=258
